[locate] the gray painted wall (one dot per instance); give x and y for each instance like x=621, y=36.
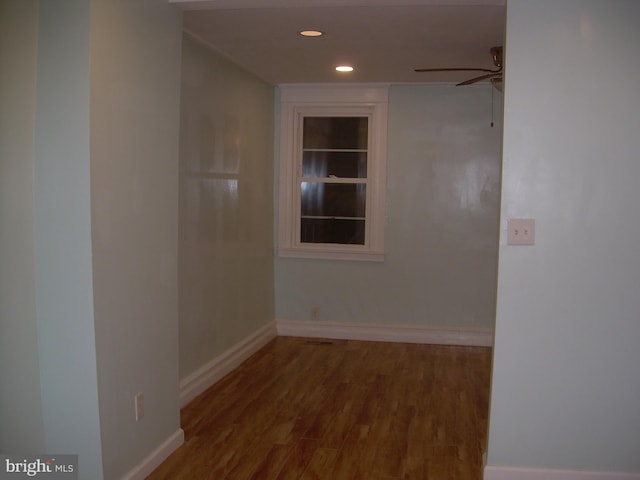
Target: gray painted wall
x=135, y=105
x=20, y=397
x=89, y=130
x=63, y=272
x=226, y=275
x=443, y=172
x=566, y=387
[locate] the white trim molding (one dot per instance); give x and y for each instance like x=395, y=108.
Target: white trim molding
x=492, y=472
x=155, y=458
x=334, y=93
x=197, y=382
x=386, y=333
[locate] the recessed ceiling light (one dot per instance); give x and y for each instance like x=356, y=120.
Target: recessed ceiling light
x=311, y=33
x=344, y=68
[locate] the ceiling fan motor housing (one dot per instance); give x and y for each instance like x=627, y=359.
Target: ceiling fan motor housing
x=496, y=54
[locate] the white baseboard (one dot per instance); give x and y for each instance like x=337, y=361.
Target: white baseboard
x=492, y=472
x=386, y=333
x=155, y=458
x=198, y=381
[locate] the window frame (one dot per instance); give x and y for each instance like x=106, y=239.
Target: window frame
x=299, y=101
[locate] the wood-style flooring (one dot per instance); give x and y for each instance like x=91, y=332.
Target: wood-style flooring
x=340, y=410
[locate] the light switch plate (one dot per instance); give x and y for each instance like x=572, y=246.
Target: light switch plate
x=521, y=231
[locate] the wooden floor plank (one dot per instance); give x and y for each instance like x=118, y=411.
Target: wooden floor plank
x=321, y=464
x=340, y=410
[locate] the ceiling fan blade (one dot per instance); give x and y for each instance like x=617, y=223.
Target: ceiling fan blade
x=479, y=79
x=455, y=70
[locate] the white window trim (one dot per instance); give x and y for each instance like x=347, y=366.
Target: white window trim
x=333, y=100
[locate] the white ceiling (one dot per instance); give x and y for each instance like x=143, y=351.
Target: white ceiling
x=384, y=40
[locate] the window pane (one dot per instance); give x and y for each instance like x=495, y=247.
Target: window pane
x=321, y=164
x=332, y=230
x=335, y=132
x=333, y=199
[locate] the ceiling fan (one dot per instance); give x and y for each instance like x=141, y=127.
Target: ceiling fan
x=494, y=76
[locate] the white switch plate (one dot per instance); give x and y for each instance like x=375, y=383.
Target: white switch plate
x=521, y=231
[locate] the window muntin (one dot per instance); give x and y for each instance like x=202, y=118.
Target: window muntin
x=338, y=164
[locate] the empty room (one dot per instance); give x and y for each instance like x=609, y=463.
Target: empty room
x=342, y=207
x=337, y=239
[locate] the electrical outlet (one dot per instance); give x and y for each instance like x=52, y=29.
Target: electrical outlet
x=521, y=231
x=139, y=404
x=315, y=313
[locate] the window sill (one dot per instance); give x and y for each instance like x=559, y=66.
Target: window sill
x=325, y=253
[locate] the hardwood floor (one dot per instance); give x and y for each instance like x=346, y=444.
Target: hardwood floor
x=340, y=410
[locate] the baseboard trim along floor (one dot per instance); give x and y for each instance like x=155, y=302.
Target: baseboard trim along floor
x=492, y=472
x=386, y=333
x=155, y=458
x=198, y=381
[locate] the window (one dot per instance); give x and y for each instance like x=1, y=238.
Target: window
x=332, y=172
